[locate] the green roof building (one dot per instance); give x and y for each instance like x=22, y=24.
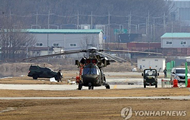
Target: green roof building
x=175, y=40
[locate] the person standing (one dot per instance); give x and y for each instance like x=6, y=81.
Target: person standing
x=140, y=67
x=165, y=73
x=59, y=75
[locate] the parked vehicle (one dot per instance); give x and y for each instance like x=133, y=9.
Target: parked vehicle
x=150, y=77
x=43, y=72
x=179, y=74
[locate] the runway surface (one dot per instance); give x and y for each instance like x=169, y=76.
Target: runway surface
x=76, y=98
x=62, y=87
x=115, y=83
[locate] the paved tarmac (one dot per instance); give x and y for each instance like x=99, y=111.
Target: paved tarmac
x=115, y=83
x=75, y=98
x=60, y=87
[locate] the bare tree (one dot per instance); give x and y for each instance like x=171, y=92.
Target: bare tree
x=14, y=42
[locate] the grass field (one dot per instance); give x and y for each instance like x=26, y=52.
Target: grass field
x=90, y=109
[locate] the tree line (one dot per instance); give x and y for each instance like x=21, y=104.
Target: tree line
x=140, y=8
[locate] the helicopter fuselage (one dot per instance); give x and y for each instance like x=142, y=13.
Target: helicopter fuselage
x=92, y=75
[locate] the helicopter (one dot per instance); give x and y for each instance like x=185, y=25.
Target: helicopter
x=91, y=73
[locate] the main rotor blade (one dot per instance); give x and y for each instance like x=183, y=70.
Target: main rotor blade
x=111, y=57
x=128, y=51
x=51, y=55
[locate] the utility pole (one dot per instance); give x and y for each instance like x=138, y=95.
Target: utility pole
x=154, y=28
x=151, y=31
x=91, y=26
x=78, y=20
x=129, y=23
x=109, y=19
x=147, y=24
x=11, y=19
x=36, y=19
x=164, y=20
x=172, y=30
x=48, y=19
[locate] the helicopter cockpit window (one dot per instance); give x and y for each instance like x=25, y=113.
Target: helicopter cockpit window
x=88, y=70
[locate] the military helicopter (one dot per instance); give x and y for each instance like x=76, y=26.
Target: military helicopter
x=90, y=66
x=91, y=73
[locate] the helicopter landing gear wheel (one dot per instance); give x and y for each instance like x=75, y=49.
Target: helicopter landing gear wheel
x=144, y=85
x=156, y=85
x=90, y=86
x=80, y=85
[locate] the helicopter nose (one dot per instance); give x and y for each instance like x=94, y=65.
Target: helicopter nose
x=89, y=79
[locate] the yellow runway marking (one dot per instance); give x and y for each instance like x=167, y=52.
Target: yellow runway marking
x=115, y=87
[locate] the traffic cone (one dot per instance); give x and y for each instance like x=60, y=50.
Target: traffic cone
x=188, y=83
x=175, y=83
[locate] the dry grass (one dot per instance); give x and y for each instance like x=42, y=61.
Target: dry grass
x=18, y=69
x=89, y=109
x=98, y=93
